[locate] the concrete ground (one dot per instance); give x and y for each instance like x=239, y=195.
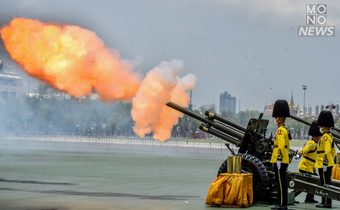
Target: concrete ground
x=80, y=176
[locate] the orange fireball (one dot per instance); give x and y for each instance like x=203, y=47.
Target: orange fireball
x=69, y=58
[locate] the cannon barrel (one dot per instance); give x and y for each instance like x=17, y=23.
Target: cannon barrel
x=236, y=134
x=221, y=135
x=336, y=136
x=308, y=123
x=187, y=112
x=214, y=115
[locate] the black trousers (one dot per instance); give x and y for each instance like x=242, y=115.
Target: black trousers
x=309, y=196
x=325, y=178
x=281, y=182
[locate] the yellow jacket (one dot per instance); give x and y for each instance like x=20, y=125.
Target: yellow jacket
x=326, y=151
x=281, y=145
x=307, y=161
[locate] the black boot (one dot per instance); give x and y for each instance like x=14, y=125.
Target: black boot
x=321, y=205
x=276, y=207
x=311, y=201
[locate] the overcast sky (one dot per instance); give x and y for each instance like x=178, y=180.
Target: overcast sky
x=249, y=48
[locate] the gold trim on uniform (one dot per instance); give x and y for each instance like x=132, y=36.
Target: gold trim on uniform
x=326, y=151
x=307, y=161
x=281, y=145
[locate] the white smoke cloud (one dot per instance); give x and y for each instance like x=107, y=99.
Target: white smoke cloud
x=161, y=85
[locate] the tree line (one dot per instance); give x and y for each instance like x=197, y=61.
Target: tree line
x=53, y=113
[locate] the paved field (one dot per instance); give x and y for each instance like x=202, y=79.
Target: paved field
x=79, y=176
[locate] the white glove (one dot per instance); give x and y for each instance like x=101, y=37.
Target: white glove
x=297, y=157
x=278, y=164
x=324, y=168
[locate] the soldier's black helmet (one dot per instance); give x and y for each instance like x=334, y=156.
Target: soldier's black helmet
x=281, y=109
x=314, y=129
x=325, y=119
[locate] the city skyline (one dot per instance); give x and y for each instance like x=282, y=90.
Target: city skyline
x=310, y=108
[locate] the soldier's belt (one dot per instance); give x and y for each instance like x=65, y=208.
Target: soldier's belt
x=310, y=159
x=312, y=151
x=276, y=146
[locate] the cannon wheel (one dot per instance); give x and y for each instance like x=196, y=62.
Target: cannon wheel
x=260, y=176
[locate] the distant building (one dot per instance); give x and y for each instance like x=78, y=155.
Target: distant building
x=294, y=109
x=309, y=111
x=317, y=110
x=11, y=85
x=227, y=103
x=268, y=109
x=333, y=108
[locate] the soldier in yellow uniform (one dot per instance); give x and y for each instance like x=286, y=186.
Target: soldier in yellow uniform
x=308, y=155
x=280, y=155
x=325, y=154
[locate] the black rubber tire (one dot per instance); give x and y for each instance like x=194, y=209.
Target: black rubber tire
x=260, y=176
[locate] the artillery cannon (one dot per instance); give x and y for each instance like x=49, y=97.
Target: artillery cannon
x=256, y=149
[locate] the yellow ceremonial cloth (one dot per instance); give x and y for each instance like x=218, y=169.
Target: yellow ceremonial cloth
x=336, y=172
x=234, y=190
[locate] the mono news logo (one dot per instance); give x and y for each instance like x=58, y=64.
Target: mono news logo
x=316, y=22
